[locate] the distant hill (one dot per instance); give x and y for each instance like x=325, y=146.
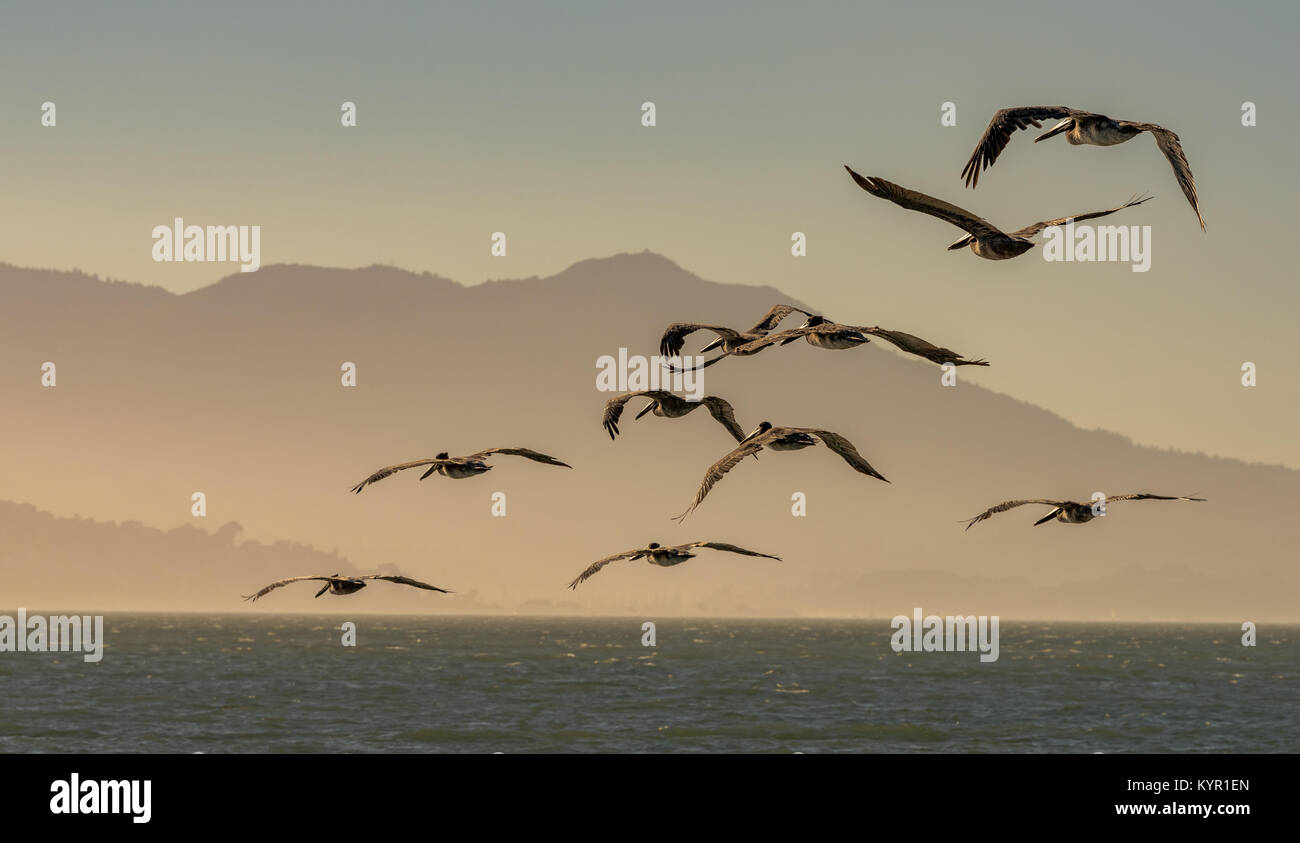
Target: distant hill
x=234, y=390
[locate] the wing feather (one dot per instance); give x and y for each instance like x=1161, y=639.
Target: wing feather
x=404, y=581
x=390, y=470
x=922, y=348
x=273, y=586
x=730, y=548
x=725, y=414
x=614, y=407
x=916, y=201
x=1004, y=124
x=536, y=456
x=1147, y=496
x=774, y=317
x=1005, y=505
x=720, y=468
x=1172, y=147
x=595, y=567
x=1031, y=230
x=674, y=338
x=839, y=445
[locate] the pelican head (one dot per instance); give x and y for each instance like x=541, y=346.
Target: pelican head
x=442, y=455
x=763, y=427
x=654, y=545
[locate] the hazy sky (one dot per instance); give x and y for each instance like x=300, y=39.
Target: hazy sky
x=525, y=118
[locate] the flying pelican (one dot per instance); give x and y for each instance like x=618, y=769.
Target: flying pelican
x=457, y=468
x=779, y=439
x=820, y=332
x=669, y=406
x=674, y=338
x=665, y=557
x=1069, y=512
x=983, y=238
x=1080, y=127
x=339, y=584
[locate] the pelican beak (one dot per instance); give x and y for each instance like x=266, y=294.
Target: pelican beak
x=1064, y=126
x=962, y=243
x=647, y=408
x=712, y=345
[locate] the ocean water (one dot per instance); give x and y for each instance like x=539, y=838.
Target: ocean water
x=247, y=684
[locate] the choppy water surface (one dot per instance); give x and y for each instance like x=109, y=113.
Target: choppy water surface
x=233, y=683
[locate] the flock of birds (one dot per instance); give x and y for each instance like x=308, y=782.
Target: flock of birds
x=984, y=239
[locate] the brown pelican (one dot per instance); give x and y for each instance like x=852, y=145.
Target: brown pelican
x=665, y=557
x=457, y=468
x=1069, y=512
x=339, y=584
x=674, y=338
x=670, y=406
x=822, y=333
x=983, y=238
x=1080, y=127
x=779, y=439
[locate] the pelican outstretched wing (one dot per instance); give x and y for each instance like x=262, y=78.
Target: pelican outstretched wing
x=390, y=470
x=400, y=580
x=674, y=338
x=779, y=337
x=1004, y=124
x=839, y=445
x=273, y=586
x=1147, y=496
x=1005, y=505
x=595, y=567
x=720, y=468
x=725, y=414
x=1173, y=149
x=536, y=456
x=915, y=201
x=775, y=315
x=1031, y=230
x=730, y=548
x=921, y=348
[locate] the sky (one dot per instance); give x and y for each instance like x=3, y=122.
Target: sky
x=525, y=118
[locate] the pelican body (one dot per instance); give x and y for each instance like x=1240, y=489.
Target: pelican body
x=664, y=557
x=456, y=470
x=999, y=248
x=790, y=442
x=1070, y=513
x=829, y=335
x=348, y=586
x=1093, y=130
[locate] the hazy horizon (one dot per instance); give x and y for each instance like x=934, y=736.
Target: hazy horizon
x=263, y=427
